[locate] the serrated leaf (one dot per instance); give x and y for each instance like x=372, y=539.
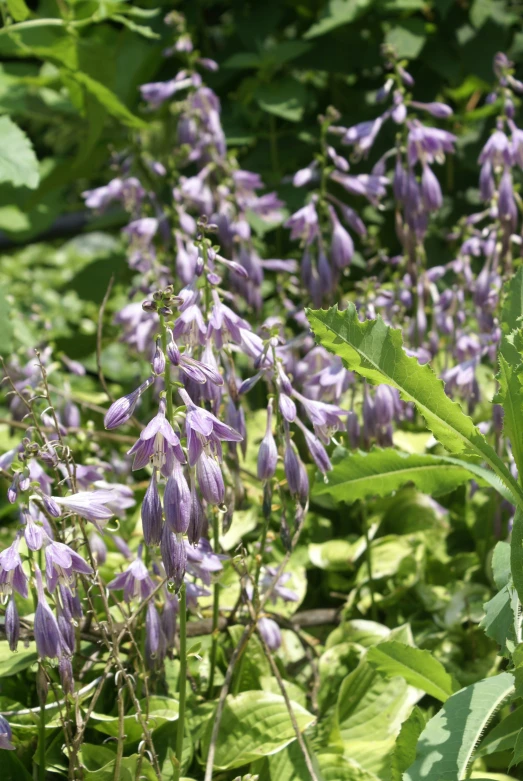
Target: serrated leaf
x=254, y=724
x=503, y=736
x=405, y=748
x=446, y=744
x=381, y=472
x=512, y=310
x=375, y=351
x=511, y=397
x=418, y=667
x=18, y=163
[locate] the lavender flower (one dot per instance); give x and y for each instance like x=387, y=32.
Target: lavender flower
x=12, y=575
x=158, y=443
x=46, y=631
x=6, y=735
x=12, y=624
x=268, y=452
x=61, y=564
x=174, y=556
x=135, y=581
x=90, y=505
x=177, y=501
x=122, y=409
x=152, y=513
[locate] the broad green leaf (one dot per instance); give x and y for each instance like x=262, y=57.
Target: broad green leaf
x=365, y=633
x=254, y=724
x=161, y=711
x=517, y=756
x=337, y=13
x=369, y=714
x=289, y=765
x=418, y=667
x=336, y=767
x=405, y=748
x=128, y=770
x=248, y=675
x=446, y=744
x=108, y=99
x=512, y=311
x=285, y=98
x=18, y=163
x=381, y=472
x=503, y=736
x=375, y=351
x=11, y=663
x=336, y=555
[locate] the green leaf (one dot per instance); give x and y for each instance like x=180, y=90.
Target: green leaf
x=511, y=397
x=405, y=748
x=516, y=553
x=498, y=621
x=512, y=310
x=254, y=724
x=381, y=472
x=501, y=564
x=161, y=711
x=517, y=757
x=336, y=767
x=368, y=717
x=18, y=163
x=108, y=99
x=375, y=351
x=408, y=38
x=11, y=663
x=284, y=98
x=337, y=13
x=419, y=668
x=18, y=10
x=446, y=744
x=503, y=736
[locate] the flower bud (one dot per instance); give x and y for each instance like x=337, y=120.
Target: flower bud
x=152, y=513
x=177, y=501
x=12, y=624
x=122, y=409
x=158, y=362
x=65, y=668
x=268, y=452
x=174, y=556
x=210, y=479
x=149, y=306
x=196, y=523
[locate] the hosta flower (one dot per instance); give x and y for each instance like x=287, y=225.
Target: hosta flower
x=177, y=501
x=61, y=565
x=203, y=428
x=271, y=632
x=210, y=479
x=326, y=418
x=152, y=513
x=158, y=443
x=47, y=633
x=12, y=624
x=268, y=452
x=155, y=640
x=135, y=581
x=199, y=371
x=12, y=575
x=122, y=409
x=91, y=505
x=203, y=562
x=174, y=555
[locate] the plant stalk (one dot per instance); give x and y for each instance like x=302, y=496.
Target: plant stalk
x=182, y=683
x=215, y=607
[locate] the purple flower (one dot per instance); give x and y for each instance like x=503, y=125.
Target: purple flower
x=12, y=576
x=122, y=409
x=363, y=135
x=174, y=556
x=438, y=110
x=156, y=93
x=306, y=175
x=158, y=362
x=61, y=564
x=177, y=501
x=90, y=505
x=12, y=624
x=291, y=465
x=33, y=533
x=152, y=513
x=98, y=548
x=135, y=581
x=342, y=246
x=210, y=479
x=507, y=208
x=287, y=407
x=47, y=633
x=268, y=452
x=304, y=223
x=278, y=590
x=428, y=144
x=202, y=562
x=198, y=371
x=370, y=186
x=316, y=449
x=197, y=518
x=158, y=443
x=497, y=150
x=65, y=669
x=103, y=196
x=270, y=632
x=224, y=324
x=203, y=428
x=155, y=640
x=6, y=735
x=326, y=418
x=430, y=190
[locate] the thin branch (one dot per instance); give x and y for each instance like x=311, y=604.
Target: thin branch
x=99, y=332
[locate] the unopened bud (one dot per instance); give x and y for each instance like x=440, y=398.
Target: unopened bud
x=149, y=306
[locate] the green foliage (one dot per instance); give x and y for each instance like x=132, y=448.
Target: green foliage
x=18, y=163
x=446, y=744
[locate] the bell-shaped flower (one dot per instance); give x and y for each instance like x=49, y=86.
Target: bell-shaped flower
x=61, y=564
x=158, y=443
x=12, y=575
x=121, y=410
x=90, y=505
x=203, y=428
x=326, y=418
x=6, y=735
x=210, y=479
x=177, y=501
x=174, y=555
x=268, y=452
x=12, y=624
x=135, y=581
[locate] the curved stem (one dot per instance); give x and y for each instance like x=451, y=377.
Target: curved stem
x=215, y=607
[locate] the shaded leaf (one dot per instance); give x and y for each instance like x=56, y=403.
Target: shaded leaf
x=18, y=163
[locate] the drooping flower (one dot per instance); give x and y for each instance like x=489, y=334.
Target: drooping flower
x=135, y=581
x=203, y=428
x=47, y=633
x=268, y=452
x=62, y=562
x=177, y=501
x=152, y=513
x=91, y=505
x=12, y=575
x=6, y=735
x=158, y=443
x=123, y=408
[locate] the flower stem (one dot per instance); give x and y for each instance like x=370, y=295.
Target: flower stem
x=167, y=373
x=368, y=557
x=182, y=683
x=215, y=606
x=41, y=744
